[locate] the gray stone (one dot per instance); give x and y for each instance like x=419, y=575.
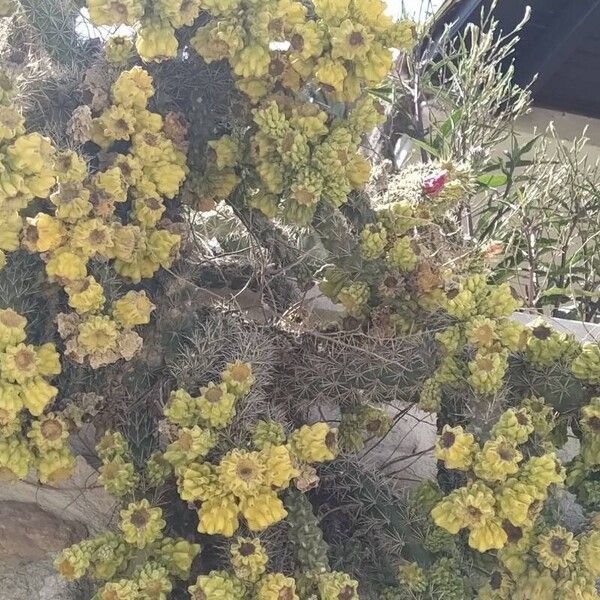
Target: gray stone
x=29, y=540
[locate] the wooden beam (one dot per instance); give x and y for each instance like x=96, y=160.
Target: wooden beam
x=571, y=27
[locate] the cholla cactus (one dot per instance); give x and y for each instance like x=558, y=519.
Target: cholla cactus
x=154, y=256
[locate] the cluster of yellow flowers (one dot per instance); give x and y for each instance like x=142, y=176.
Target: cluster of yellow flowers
x=84, y=227
x=243, y=482
x=296, y=65
x=483, y=328
x=26, y=169
x=506, y=490
x=29, y=436
x=270, y=586
x=341, y=47
x=549, y=563
x=137, y=563
x=102, y=339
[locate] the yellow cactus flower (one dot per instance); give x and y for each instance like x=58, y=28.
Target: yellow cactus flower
x=55, y=466
x=556, y=549
x=191, y=443
x=251, y=62
x=375, y=65
x=242, y=473
x=98, y=334
x=497, y=459
x=215, y=405
x=70, y=167
x=279, y=467
x=217, y=585
x=11, y=123
x=72, y=201
x=15, y=459
x=470, y=506
x=118, y=476
x=350, y=40
x=12, y=224
x=156, y=41
x=180, y=409
x=542, y=471
x=12, y=328
x=85, y=295
x=111, y=183
x=332, y=11
x=117, y=123
x=141, y=524
x=489, y=535
x=115, y=12
x=219, y=516
x=19, y=363
x=49, y=432
x=66, y=265
x=589, y=548
x=331, y=73
x=37, y=393
x=307, y=40
x=227, y=150
x=515, y=425
x=91, y=238
x=133, y=309
x=263, y=510
x=48, y=360
x=456, y=448
x=248, y=558
x=148, y=211
x=314, y=443
x=534, y=583
x=10, y=402
x=133, y=88
x=198, y=481
x=118, y=50
x=338, y=585
x=487, y=371
x=276, y=585
x=112, y=444
x=514, y=500
x=43, y=233
x=238, y=377
x=31, y=154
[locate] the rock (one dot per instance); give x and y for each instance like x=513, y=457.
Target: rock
x=81, y=499
x=28, y=533
x=29, y=539
x=35, y=581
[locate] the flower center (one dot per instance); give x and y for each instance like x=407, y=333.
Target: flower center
x=97, y=236
x=594, y=423
x=346, y=594
x=447, y=440
x=240, y=372
x=276, y=68
x=297, y=42
x=213, y=395
x=25, y=359
x=558, y=546
x=506, y=453
x=139, y=518
x=246, y=470
x=542, y=332
x=286, y=593
x=247, y=549
x=153, y=204
x=10, y=318
x=513, y=534
x=331, y=440
x=356, y=38
x=51, y=430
